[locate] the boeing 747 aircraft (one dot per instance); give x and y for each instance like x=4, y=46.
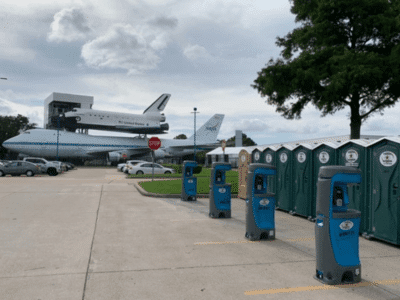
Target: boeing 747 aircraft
x=147, y=123
x=44, y=143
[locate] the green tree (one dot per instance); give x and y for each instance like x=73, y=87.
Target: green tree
x=246, y=141
x=349, y=56
x=181, y=137
x=10, y=127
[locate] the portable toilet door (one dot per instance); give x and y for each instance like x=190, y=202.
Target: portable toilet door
x=256, y=156
x=284, y=164
x=324, y=154
x=243, y=170
x=269, y=155
x=302, y=183
x=383, y=156
x=353, y=153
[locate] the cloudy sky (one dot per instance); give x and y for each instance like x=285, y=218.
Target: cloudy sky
x=205, y=53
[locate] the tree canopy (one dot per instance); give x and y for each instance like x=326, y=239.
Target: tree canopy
x=181, y=137
x=10, y=127
x=348, y=56
x=246, y=141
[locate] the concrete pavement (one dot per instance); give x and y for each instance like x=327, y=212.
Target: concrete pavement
x=89, y=234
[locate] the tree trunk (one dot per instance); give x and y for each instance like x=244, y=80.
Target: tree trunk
x=355, y=124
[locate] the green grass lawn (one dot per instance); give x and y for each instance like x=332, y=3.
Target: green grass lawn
x=205, y=172
x=174, y=186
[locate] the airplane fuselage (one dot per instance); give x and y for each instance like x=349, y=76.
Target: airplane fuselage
x=46, y=142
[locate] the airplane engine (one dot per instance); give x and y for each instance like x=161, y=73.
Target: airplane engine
x=114, y=157
x=164, y=127
x=159, y=153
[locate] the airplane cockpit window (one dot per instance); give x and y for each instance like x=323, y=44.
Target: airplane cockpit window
x=74, y=110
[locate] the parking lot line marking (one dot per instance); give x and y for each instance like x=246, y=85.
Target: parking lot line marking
x=228, y=242
x=321, y=287
x=235, y=242
x=301, y=239
x=190, y=220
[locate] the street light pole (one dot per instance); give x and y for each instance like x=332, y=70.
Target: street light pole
x=195, y=111
x=58, y=132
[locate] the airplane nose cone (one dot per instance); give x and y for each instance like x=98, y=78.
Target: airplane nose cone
x=9, y=144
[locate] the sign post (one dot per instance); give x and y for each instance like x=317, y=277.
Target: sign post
x=154, y=143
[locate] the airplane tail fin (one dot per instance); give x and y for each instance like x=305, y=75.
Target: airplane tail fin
x=209, y=131
x=158, y=105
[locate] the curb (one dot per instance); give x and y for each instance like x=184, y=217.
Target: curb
x=148, y=194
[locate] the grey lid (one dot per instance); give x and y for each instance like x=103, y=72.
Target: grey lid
x=330, y=171
x=252, y=167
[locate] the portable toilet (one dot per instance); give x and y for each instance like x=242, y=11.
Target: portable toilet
x=384, y=181
x=256, y=156
x=284, y=173
x=269, y=155
x=353, y=153
x=302, y=183
x=324, y=154
x=244, y=162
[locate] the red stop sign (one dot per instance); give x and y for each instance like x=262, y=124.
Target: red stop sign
x=154, y=143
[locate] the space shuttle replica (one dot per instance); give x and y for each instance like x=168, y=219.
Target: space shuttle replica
x=150, y=122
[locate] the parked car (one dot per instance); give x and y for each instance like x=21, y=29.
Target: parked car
x=146, y=168
x=19, y=168
x=47, y=167
x=62, y=165
x=70, y=166
x=131, y=163
x=120, y=166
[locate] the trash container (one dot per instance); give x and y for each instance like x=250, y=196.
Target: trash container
x=284, y=164
x=220, y=191
x=337, y=227
x=353, y=153
x=302, y=183
x=260, y=205
x=383, y=156
x=189, y=182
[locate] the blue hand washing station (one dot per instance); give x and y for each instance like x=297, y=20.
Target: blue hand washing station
x=260, y=205
x=220, y=191
x=337, y=227
x=189, y=182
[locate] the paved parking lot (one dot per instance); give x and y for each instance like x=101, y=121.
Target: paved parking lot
x=89, y=234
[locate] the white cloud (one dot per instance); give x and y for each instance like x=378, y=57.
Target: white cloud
x=34, y=114
x=194, y=52
x=70, y=24
x=13, y=49
x=126, y=47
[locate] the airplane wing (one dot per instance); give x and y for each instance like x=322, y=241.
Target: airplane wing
x=130, y=151
x=202, y=146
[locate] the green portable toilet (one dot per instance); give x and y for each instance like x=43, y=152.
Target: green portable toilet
x=284, y=164
x=256, y=156
x=324, y=154
x=383, y=156
x=353, y=153
x=302, y=183
x=269, y=155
